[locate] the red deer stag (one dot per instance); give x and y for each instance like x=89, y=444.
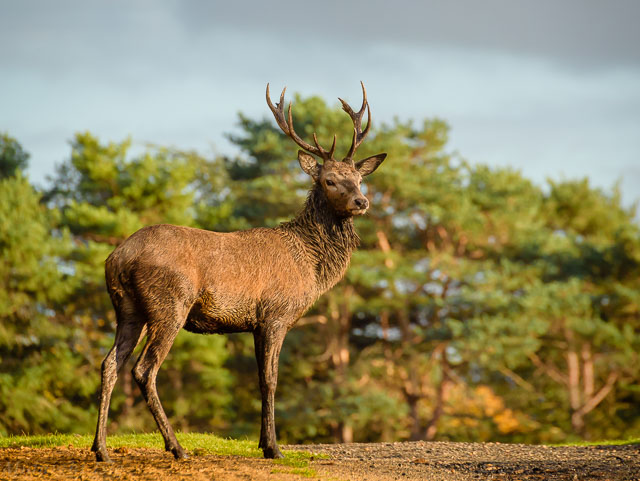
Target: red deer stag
x=165, y=278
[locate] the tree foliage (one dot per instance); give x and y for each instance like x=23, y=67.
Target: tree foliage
x=13, y=158
x=480, y=306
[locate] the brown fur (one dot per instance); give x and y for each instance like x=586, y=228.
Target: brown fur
x=165, y=278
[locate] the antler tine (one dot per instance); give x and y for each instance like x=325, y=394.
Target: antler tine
x=278, y=112
x=317, y=150
x=286, y=124
x=356, y=117
x=333, y=146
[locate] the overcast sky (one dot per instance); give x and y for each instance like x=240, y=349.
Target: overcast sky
x=548, y=87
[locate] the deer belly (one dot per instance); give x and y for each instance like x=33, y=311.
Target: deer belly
x=213, y=314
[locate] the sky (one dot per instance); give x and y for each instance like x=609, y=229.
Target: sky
x=551, y=88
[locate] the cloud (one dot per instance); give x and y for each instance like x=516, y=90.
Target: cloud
x=549, y=87
x=583, y=33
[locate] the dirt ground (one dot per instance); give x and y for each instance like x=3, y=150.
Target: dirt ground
x=380, y=462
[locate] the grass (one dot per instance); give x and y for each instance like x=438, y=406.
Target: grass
x=198, y=444
x=607, y=442
x=299, y=466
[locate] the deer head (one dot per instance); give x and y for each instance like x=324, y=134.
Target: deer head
x=339, y=179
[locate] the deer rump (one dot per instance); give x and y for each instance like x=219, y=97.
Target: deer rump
x=239, y=279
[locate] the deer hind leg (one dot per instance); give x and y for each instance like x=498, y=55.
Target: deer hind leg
x=129, y=331
x=162, y=333
x=268, y=341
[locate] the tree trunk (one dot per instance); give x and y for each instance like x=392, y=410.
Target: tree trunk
x=339, y=327
x=416, y=432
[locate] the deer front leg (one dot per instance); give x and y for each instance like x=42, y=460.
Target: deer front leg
x=268, y=340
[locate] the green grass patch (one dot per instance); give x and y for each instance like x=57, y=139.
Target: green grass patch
x=607, y=442
x=306, y=472
x=197, y=444
x=297, y=465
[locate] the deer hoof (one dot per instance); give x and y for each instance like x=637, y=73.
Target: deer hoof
x=102, y=456
x=272, y=453
x=179, y=453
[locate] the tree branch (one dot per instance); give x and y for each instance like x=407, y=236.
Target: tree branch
x=592, y=403
x=551, y=371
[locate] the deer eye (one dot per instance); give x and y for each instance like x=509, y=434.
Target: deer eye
x=330, y=182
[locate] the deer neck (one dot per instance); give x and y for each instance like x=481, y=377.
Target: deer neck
x=326, y=240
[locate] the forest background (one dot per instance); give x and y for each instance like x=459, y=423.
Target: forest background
x=479, y=307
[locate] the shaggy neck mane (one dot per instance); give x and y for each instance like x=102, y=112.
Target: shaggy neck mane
x=328, y=239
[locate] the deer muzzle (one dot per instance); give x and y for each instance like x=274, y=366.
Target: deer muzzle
x=360, y=206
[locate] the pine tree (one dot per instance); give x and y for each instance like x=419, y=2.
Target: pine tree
x=45, y=384
x=103, y=194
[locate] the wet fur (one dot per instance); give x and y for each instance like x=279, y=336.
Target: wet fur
x=232, y=282
x=165, y=278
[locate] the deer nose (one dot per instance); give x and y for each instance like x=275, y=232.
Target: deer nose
x=361, y=203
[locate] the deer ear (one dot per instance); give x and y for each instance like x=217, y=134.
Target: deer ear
x=368, y=165
x=309, y=164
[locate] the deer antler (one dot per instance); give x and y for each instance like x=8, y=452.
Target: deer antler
x=286, y=124
x=356, y=117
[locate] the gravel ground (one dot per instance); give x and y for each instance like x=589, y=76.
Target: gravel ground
x=440, y=461
x=474, y=461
